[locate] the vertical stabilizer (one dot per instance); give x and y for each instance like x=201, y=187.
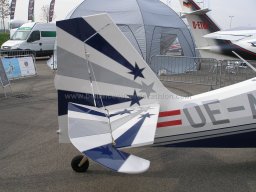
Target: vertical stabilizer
x=201, y=25
x=98, y=66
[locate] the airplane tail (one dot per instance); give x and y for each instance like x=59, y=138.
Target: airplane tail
x=98, y=66
x=201, y=25
x=107, y=94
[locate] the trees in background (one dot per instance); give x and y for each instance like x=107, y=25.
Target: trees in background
x=4, y=11
x=45, y=16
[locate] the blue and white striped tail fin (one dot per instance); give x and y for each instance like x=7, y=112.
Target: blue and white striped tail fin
x=93, y=52
x=91, y=133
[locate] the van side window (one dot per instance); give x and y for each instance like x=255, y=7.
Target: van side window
x=48, y=33
x=35, y=36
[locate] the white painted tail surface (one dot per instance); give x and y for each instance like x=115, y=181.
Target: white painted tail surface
x=201, y=25
x=98, y=66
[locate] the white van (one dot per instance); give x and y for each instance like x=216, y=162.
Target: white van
x=38, y=37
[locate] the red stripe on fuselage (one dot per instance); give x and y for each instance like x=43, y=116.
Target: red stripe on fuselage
x=169, y=113
x=169, y=123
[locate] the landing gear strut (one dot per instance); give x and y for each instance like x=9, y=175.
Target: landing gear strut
x=80, y=163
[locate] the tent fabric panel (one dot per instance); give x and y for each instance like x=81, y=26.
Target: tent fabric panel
x=139, y=33
x=122, y=12
x=157, y=13
x=132, y=38
x=149, y=31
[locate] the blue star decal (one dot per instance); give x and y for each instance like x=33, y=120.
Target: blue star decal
x=135, y=99
x=105, y=150
x=147, y=115
x=136, y=71
x=99, y=43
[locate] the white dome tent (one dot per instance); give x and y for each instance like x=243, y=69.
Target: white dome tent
x=151, y=26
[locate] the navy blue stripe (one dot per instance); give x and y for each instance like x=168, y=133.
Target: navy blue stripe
x=205, y=131
x=204, y=136
x=80, y=29
x=77, y=108
x=238, y=140
x=108, y=156
x=128, y=137
x=65, y=97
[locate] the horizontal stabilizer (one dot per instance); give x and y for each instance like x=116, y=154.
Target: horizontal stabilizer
x=99, y=133
x=112, y=158
x=138, y=131
x=197, y=12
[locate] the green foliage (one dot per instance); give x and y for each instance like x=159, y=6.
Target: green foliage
x=4, y=37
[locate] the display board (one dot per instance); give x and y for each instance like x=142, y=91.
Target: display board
x=3, y=77
x=19, y=67
x=27, y=66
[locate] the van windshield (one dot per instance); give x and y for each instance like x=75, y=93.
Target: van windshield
x=20, y=35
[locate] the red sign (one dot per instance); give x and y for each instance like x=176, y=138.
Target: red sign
x=200, y=25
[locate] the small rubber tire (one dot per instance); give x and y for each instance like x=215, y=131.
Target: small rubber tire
x=75, y=164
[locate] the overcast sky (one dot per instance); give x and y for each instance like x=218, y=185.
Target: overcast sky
x=242, y=10
x=62, y=8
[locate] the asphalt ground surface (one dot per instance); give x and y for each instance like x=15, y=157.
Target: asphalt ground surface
x=31, y=158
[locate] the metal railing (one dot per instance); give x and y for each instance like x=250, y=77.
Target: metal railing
x=185, y=69
x=200, y=71
x=234, y=71
x=17, y=53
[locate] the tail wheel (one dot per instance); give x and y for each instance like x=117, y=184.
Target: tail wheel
x=80, y=164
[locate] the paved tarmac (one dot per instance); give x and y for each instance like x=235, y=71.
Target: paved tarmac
x=31, y=159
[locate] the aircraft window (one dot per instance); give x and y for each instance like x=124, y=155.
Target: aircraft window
x=170, y=45
x=35, y=36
